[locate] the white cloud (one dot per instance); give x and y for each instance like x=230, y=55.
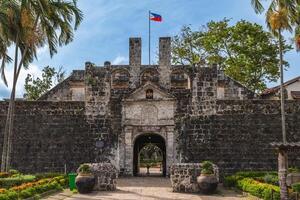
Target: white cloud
x=42, y=51
x=120, y=60
x=33, y=70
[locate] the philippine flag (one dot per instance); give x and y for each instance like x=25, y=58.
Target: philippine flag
x=155, y=17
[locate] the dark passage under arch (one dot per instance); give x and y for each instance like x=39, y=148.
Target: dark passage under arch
x=140, y=142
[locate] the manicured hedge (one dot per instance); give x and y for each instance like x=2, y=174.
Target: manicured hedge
x=231, y=181
x=4, y=174
x=32, y=189
x=262, y=176
x=270, y=179
x=258, y=189
x=46, y=175
x=259, y=184
x=17, y=180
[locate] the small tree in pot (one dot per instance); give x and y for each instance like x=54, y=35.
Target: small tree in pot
x=85, y=181
x=207, y=181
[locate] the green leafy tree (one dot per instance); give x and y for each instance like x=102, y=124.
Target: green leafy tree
x=281, y=15
x=27, y=25
x=245, y=51
x=36, y=87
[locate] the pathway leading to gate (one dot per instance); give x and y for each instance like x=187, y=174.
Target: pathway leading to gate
x=148, y=188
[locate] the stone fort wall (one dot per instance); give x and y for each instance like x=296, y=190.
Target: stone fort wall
x=238, y=136
x=48, y=136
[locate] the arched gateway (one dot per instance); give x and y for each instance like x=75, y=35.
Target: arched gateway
x=143, y=141
x=147, y=120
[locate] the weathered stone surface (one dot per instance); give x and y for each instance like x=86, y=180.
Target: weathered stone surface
x=184, y=176
x=106, y=176
x=238, y=136
x=71, y=89
x=135, y=60
x=165, y=61
x=49, y=136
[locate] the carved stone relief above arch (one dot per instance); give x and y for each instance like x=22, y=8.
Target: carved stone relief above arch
x=149, y=115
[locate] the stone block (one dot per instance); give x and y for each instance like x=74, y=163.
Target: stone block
x=184, y=176
x=106, y=176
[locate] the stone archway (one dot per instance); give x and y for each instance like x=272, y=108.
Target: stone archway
x=145, y=114
x=140, y=142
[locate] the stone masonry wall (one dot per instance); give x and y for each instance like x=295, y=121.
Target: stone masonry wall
x=232, y=89
x=204, y=92
x=116, y=123
x=62, y=91
x=238, y=136
x=98, y=113
x=48, y=136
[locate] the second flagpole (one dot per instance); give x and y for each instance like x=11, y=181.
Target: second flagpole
x=149, y=38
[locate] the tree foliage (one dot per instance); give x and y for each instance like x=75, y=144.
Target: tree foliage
x=36, y=87
x=244, y=51
x=282, y=15
x=149, y=150
x=27, y=25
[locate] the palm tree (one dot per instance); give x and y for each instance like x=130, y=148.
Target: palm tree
x=281, y=15
x=29, y=25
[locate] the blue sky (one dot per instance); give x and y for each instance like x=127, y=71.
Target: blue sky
x=108, y=24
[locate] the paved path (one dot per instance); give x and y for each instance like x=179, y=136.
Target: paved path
x=146, y=188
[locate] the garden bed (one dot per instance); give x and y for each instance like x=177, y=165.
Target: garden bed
x=264, y=185
x=18, y=186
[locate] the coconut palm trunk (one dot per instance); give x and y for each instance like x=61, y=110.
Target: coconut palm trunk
x=282, y=92
x=282, y=154
x=8, y=131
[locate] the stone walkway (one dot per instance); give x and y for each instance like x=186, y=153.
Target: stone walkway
x=146, y=188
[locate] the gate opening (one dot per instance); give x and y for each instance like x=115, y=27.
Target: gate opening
x=149, y=156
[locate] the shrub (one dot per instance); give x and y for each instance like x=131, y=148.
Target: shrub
x=258, y=189
x=10, y=195
x=13, y=172
x=32, y=189
x=46, y=175
x=296, y=187
x=231, y=181
x=271, y=179
x=26, y=193
x=4, y=174
x=15, y=181
x=294, y=170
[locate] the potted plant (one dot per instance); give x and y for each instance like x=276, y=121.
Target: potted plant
x=85, y=180
x=207, y=181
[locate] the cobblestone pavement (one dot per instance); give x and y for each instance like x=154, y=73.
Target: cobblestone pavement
x=147, y=188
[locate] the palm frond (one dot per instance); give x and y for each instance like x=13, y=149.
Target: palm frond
x=257, y=5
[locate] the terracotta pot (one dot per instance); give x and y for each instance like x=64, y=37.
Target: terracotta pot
x=85, y=183
x=207, y=183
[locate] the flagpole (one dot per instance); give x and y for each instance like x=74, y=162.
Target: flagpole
x=149, y=38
